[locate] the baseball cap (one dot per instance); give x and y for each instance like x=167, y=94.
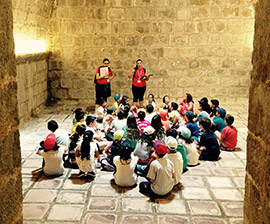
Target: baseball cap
x=118, y=135
x=163, y=114
x=185, y=132
x=49, y=142
x=117, y=96
x=190, y=115
x=149, y=130
x=171, y=143
x=160, y=147
x=221, y=111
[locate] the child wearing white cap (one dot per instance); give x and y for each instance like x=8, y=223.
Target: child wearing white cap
x=190, y=146
x=175, y=157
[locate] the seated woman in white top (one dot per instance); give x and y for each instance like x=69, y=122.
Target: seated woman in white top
x=85, y=155
x=125, y=164
x=53, y=156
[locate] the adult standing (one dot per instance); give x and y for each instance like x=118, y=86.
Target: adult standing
x=139, y=77
x=103, y=77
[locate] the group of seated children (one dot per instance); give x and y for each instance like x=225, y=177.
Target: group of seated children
x=157, y=143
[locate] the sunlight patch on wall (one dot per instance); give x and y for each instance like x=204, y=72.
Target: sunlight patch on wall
x=28, y=46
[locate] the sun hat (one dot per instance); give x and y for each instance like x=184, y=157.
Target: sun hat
x=185, y=132
x=149, y=130
x=118, y=135
x=171, y=143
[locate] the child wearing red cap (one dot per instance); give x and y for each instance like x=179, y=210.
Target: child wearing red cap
x=161, y=173
x=53, y=156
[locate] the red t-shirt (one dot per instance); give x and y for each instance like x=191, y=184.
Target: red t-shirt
x=136, y=80
x=105, y=80
x=229, y=134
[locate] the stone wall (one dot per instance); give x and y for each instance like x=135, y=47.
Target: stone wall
x=257, y=193
x=10, y=156
x=31, y=18
x=198, y=46
x=32, y=71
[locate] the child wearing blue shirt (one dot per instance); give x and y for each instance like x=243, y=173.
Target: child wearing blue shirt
x=208, y=147
x=191, y=125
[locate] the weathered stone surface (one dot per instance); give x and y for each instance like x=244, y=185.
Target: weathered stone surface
x=10, y=160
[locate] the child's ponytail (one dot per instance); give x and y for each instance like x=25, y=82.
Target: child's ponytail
x=85, y=146
x=75, y=137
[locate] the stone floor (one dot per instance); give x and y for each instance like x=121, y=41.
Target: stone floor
x=212, y=192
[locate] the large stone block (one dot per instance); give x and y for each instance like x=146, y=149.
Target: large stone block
x=116, y=13
x=126, y=27
x=134, y=13
x=142, y=27
x=103, y=28
x=166, y=13
x=199, y=39
x=179, y=40
x=162, y=27
x=133, y=40
x=183, y=13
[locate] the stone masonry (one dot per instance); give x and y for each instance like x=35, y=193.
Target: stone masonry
x=32, y=72
x=198, y=46
x=10, y=157
x=257, y=196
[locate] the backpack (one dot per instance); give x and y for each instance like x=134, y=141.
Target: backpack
x=95, y=78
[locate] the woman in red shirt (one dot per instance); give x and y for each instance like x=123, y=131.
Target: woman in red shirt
x=102, y=81
x=139, y=77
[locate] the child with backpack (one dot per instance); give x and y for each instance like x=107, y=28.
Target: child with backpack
x=161, y=173
x=189, y=145
x=112, y=150
x=144, y=146
x=53, y=156
x=175, y=157
x=125, y=164
x=86, y=154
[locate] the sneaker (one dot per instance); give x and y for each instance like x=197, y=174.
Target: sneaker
x=91, y=174
x=106, y=166
x=81, y=174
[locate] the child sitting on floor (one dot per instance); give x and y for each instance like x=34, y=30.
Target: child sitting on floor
x=144, y=146
x=101, y=110
x=132, y=132
x=228, y=138
x=108, y=118
x=77, y=111
x=86, y=154
x=180, y=148
x=112, y=150
x=79, y=120
x=141, y=122
x=151, y=100
x=186, y=104
x=214, y=105
x=117, y=101
x=75, y=140
x=161, y=173
x=190, y=146
x=53, y=156
x=191, y=125
x=164, y=120
x=125, y=165
x=218, y=120
x=208, y=147
x=175, y=157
